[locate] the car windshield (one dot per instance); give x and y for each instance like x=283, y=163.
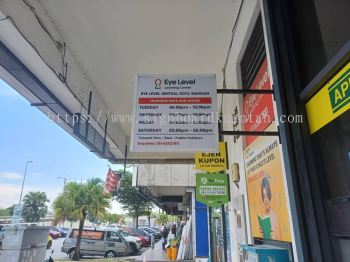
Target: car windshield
x=125, y=234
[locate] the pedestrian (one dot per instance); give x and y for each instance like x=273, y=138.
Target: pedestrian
x=152, y=241
x=165, y=233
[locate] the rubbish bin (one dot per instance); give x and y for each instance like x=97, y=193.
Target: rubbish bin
x=24, y=243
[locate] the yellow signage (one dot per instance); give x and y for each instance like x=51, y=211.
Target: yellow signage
x=331, y=101
x=212, y=162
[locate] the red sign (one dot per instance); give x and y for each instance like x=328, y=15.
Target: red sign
x=258, y=108
x=175, y=100
x=112, y=181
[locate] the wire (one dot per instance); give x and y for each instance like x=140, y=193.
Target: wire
x=9, y=18
x=58, y=44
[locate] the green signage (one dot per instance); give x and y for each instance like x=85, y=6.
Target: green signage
x=212, y=189
x=339, y=91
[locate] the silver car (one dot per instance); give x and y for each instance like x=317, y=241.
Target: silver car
x=97, y=242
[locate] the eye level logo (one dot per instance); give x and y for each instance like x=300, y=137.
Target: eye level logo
x=204, y=180
x=158, y=83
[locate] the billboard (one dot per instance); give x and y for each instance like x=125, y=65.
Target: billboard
x=265, y=185
x=175, y=113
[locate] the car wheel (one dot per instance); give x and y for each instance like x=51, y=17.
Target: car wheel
x=110, y=254
x=71, y=253
x=49, y=244
x=133, y=248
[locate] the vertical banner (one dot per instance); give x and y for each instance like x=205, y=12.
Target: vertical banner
x=265, y=185
x=111, y=182
x=258, y=108
x=175, y=113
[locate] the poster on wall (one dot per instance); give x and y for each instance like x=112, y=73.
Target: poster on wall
x=265, y=185
x=258, y=108
x=175, y=113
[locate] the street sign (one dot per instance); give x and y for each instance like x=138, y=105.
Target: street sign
x=212, y=162
x=212, y=189
x=17, y=214
x=175, y=113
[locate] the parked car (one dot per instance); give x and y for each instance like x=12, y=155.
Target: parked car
x=62, y=230
x=145, y=240
x=107, y=242
x=135, y=242
x=157, y=235
x=142, y=232
x=54, y=234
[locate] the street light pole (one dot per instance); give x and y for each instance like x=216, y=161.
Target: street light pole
x=24, y=178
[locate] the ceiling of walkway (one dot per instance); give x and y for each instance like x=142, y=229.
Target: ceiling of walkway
x=114, y=40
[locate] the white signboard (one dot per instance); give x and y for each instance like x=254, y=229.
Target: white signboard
x=175, y=113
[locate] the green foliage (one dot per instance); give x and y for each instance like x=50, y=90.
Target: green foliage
x=129, y=198
x=11, y=209
x=34, y=206
x=7, y=211
x=4, y=212
x=162, y=219
x=114, y=218
x=80, y=200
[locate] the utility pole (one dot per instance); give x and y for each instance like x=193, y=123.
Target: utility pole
x=64, y=180
x=24, y=178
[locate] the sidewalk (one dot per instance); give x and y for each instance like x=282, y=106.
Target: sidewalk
x=154, y=255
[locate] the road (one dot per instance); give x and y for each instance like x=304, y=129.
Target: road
x=57, y=244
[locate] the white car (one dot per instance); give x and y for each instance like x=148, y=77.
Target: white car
x=135, y=242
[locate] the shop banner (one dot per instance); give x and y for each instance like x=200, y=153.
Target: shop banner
x=258, y=108
x=330, y=102
x=212, y=162
x=175, y=113
x=265, y=185
x=212, y=189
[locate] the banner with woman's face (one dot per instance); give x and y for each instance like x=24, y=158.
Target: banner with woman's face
x=266, y=190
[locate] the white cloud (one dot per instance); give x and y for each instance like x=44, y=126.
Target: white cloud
x=10, y=175
x=9, y=193
x=8, y=92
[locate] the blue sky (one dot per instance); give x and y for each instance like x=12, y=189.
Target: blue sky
x=28, y=134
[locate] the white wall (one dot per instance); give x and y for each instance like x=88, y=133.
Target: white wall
x=249, y=14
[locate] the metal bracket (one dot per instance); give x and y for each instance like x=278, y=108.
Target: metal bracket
x=243, y=92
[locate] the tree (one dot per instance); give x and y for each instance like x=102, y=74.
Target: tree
x=80, y=200
x=4, y=212
x=130, y=199
x=11, y=209
x=114, y=218
x=162, y=219
x=34, y=206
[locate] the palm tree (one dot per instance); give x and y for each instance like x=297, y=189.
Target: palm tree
x=34, y=206
x=80, y=200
